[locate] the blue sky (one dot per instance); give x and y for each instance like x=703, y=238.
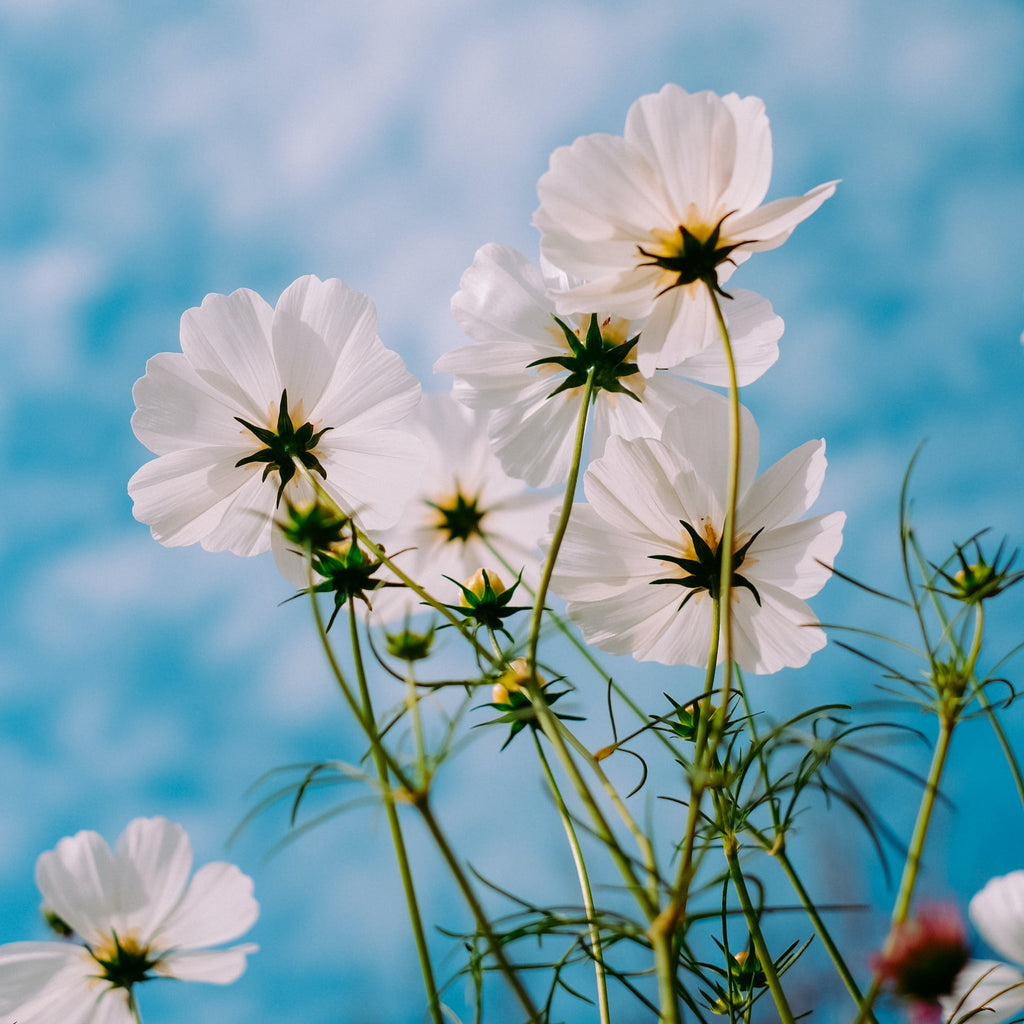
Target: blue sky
x=152, y=153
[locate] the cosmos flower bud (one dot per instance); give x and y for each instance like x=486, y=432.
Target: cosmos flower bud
x=479, y=583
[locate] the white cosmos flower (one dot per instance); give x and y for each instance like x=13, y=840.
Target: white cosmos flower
x=619, y=567
x=645, y=220
x=136, y=915
x=990, y=991
x=505, y=304
x=467, y=514
x=253, y=390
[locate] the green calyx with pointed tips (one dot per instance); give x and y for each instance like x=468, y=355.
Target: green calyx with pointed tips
x=608, y=360
x=285, y=446
x=695, y=260
x=125, y=966
x=460, y=519
x=705, y=570
x=490, y=607
x=978, y=580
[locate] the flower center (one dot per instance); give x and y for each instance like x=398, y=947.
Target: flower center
x=601, y=351
x=704, y=569
x=284, y=447
x=123, y=961
x=459, y=518
x=690, y=258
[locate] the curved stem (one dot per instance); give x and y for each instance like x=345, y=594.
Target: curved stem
x=397, y=839
x=584, y=880
x=729, y=525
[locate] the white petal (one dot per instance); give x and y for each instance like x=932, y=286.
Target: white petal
x=227, y=341
x=752, y=165
x=80, y=882
x=635, y=488
x=27, y=968
x=314, y=322
x=533, y=437
x=700, y=433
x=618, y=414
x=786, y=490
x=986, y=992
x=372, y=475
x=159, y=853
x=599, y=189
x=754, y=332
x=502, y=298
x=998, y=913
x=199, y=495
x=219, y=967
x=218, y=906
x=797, y=557
x=770, y=225
x=175, y=408
x=692, y=141
x=781, y=633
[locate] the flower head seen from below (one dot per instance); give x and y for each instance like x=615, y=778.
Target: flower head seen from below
x=991, y=990
x=133, y=915
x=466, y=512
x=654, y=221
x=640, y=563
x=527, y=367
x=262, y=400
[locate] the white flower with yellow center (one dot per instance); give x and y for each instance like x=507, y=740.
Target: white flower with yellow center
x=136, y=916
x=260, y=396
x=465, y=514
x=528, y=366
x=653, y=220
x=641, y=562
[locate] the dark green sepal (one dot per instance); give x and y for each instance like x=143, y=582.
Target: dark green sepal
x=706, y=569
x=312, y=528
x=284, y=447
x=979, y=579
x=608, y=362
x=127, y=967
x=698, y=260
x=347, y=574
x=519, y=713
x=462, y=520
x=488, y=609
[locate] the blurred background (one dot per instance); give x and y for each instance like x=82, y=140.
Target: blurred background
x=152, y=153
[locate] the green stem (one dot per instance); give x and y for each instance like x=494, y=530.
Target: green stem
x=913, y=863
x=420, y=801
x=412, y=703
x=775, y=847
x=562, y=524
x=585, y=890
x=479, y=916
x=924, y=815
x=397, y=839
x=822, y=932
x=729, y=525
x=756, y=935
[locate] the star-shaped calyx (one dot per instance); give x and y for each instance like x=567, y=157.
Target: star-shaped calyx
x=459, y=518
x=692, y=258
x=705, y=568
x=285, y=446
x=607, y=359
